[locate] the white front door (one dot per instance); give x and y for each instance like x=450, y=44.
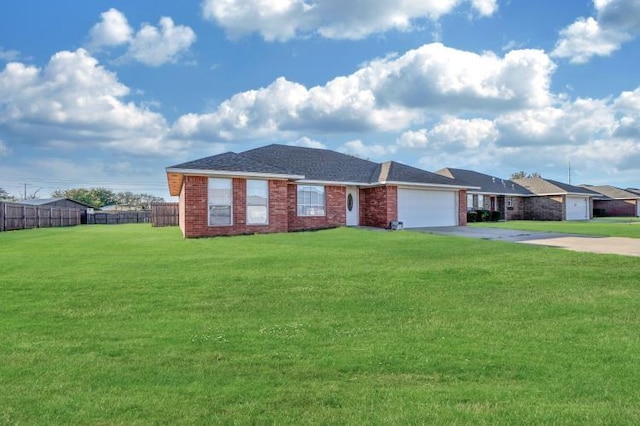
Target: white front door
x=353, y=208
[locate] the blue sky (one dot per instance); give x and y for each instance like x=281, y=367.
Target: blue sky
x=109, y=93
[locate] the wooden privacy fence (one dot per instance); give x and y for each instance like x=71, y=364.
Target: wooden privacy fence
x=165, y=214
x=15, y=216
x=117, y=218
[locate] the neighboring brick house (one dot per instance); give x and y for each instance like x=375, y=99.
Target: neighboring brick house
x=553, y=200
x=612, y=201
x=493, y=193
x=280, y=188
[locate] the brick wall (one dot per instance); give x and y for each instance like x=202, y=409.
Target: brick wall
x=335, y=209
x=544, y=208
x=194, y=201
x=616, y=207
x=379, y=206
x=517, y=209
x=462, y=208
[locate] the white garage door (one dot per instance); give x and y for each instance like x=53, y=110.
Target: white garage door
x=418, y=208
x=637, y=207
x=577, y=208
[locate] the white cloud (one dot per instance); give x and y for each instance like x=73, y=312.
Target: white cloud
x=112, y=30
x=153, y=46
x=453, y=133
x=307, y=143
x=388, y=94
x=73, y=100
x=617, y=22
x=337, y=19
x=359, y=149
x=9, y=55
x=571, y=123
x=414, y=139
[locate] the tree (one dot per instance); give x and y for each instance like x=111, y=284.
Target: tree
x=4, y=196
x=522, y=174
x=100, y=197
x=97, y=197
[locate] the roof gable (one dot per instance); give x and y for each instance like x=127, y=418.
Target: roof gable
x=399, y=172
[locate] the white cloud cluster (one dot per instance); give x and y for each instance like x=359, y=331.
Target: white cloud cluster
x=74, y=101
x=617, y=21
x=151, y=45
x=362, y=150
x=307, y=142
x=384, y=95
x=336, y=19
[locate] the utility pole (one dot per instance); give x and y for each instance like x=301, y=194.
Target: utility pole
x=569, y=172
x=25, y=191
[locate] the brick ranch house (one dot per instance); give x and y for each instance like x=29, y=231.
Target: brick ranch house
x=612, y=201
x=493, y=193
x=280, y=188
x=553, y=200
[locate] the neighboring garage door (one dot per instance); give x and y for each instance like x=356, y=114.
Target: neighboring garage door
x=418, y=208
x=577, y=208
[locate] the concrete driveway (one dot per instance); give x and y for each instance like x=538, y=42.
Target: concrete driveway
x=584, y=243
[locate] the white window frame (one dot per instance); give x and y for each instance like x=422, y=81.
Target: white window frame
x=222, y=184
x=509, y=202
x=480, y=201
x=305, y=205
x=253, y=204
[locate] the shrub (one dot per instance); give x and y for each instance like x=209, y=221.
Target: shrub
x=483, y=215
x=472, y=216
x=495, y=216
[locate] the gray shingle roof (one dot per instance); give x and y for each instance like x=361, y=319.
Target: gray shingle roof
x=633, y=190
x=540, y=186
x=402, y=173
x=488, y=184
x=315, y=164
x=611, y=192
x=232, y=162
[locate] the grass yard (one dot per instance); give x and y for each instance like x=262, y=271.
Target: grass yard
x=134, y=325
x=608, y=227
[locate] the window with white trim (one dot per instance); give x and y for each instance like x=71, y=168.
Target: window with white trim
x=311, y=200
x=469, y=202
x=257, y=202
x=220, y=202
x=480, y=202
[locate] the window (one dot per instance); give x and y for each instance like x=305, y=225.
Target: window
x=469, y=202
x=480, y=202
x=311, y=200
x=509, y=202
x=257, y=202
x=220, y=201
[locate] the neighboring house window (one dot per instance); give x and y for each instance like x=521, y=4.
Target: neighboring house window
x=220, y=202
x=311, y=200
x=469, y=202
x=480, y=202
x=257, y=202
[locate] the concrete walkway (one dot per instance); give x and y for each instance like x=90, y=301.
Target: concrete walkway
x=584, y=243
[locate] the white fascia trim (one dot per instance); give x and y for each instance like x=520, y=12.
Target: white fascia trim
x=428, y=185
x=331, y=183
x=505, y=194
x=221, y=173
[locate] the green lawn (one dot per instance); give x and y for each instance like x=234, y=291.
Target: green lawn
x=609, y=227
x=134, y=325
